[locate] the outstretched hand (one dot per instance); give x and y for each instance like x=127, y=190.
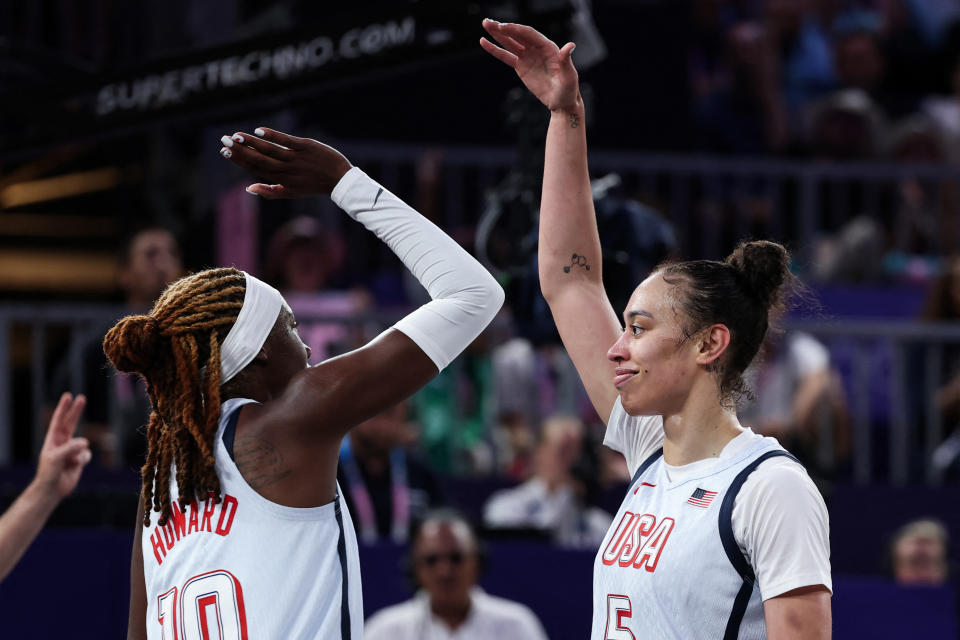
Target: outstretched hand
x=296, y=167
x=545, y=69
x=63, y=456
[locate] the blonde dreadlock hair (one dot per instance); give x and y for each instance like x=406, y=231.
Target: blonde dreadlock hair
x=169, y=349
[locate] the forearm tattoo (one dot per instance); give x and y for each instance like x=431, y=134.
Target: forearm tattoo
x=578, y=260
x=574, y=121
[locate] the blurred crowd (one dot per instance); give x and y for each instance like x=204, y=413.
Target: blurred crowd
x=828, y=79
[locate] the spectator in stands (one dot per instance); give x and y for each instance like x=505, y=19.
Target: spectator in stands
x=919, y=554
x=744, y=112
x=556, y=499
x=944, y=111
x=117, y=404
x=446, y=563
x=798, y=397
x=387, y=490
x=943, y=305
x=846, y=125
x=62, y=460
x=302, y=261
x=860, y=62
x=925, y=219
x=802, y=48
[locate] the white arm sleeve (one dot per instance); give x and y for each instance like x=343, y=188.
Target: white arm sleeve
x=636, y=437
x=465, y=297
x=780, y=523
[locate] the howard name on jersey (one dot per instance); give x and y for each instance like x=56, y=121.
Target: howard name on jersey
x=214, y=518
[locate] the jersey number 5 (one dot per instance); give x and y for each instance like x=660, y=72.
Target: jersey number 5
x=210, y=607
x=618, y=608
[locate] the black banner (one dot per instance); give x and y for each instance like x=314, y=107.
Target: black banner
x=254, y=74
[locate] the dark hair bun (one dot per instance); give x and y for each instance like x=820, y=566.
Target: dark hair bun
x=763, y=267
x=133, y=344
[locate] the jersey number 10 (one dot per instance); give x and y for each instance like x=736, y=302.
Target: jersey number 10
x=210, y=607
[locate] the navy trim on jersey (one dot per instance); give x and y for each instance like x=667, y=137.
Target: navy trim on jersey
x=230, y=432
x=344, y=592
x=646, y=465
x=733, y=549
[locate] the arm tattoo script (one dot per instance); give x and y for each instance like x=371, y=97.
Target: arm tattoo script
x=260, y=463
x=577, y=260
x=574, y=121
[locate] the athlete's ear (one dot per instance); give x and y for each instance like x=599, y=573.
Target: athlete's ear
x=713, y=342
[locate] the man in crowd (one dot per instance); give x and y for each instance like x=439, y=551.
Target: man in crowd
x=446, y=566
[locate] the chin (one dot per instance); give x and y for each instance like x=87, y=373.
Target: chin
x=635, y=406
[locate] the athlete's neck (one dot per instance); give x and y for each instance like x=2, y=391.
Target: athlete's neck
x=453, y=614
x=700, y=430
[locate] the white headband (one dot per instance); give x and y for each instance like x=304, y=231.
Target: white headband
x=261, y=306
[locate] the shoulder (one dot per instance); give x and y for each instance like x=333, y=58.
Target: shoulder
x=391, y=621
x=505, y=611
x=781, y=525
x=636, y=437
x=778, y=478
x=512, y=505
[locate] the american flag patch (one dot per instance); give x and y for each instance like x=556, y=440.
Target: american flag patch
x=702, y=498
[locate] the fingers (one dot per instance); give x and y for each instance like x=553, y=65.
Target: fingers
x=505, y=57
x=265, y=147
x=278, y=137
x=75, y=452
x=269, y=191
x=253, y=160
x=65, y=418
x=567, y=50
x=521, y=33
x=508, y=43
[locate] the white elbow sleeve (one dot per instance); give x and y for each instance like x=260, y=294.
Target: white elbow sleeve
x=465, y=297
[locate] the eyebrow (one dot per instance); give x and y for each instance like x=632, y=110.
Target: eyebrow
x=630, y=315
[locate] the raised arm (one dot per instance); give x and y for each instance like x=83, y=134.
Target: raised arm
x=346, y=390
x=62, y=460
x=569, y=250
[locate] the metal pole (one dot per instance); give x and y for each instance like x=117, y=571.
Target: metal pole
x=933, y=362
x=861, y=415
x=899, y=429
x=6, y=392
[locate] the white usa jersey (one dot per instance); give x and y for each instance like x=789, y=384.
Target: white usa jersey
x=248, y=568
x=670, y=567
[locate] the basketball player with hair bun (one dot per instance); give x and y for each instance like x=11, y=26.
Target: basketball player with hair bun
x=250, y=538
x=722, y=534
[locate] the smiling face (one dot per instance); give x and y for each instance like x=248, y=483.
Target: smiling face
x=654, y=364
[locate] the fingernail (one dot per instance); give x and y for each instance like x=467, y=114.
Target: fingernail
x=250, y=191
x=238, y=138
x=260, y=132
x=226, y=153
x=227, y=142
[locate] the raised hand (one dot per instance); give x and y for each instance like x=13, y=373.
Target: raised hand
x=63, y=456
x=296, y=167
x=546, y=70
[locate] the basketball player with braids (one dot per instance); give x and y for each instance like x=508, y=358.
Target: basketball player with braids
x=242, y=531
x=721, y=534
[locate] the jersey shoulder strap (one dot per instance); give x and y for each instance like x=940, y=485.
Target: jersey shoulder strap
x=731, y=547
x=653, y=457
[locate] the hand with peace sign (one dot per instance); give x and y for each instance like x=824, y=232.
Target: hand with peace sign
x=545, y=69
x=62, y=460
x=63, y=456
